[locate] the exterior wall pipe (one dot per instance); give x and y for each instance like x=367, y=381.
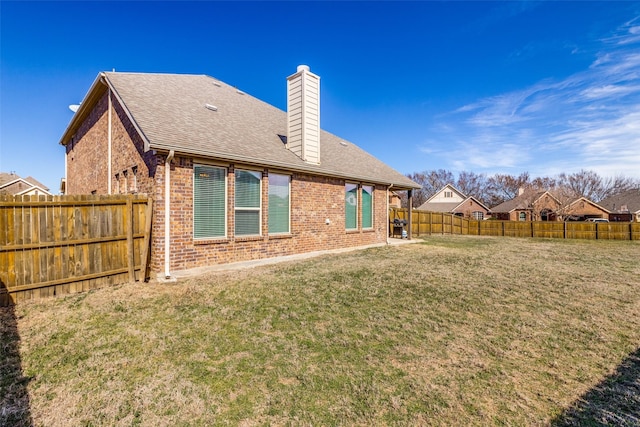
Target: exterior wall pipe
x=387, y=225
x=167, y=214
x=109, y=147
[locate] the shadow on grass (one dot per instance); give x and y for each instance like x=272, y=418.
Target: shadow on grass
x=14, y=397
x=613, y=402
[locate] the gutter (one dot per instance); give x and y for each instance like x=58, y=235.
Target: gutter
x=387, y=226
x=225, y=157
x=110, y=143
x=167, y=214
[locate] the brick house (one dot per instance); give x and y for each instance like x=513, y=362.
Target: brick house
x=12, y=184
x=451, y=200
x=581, y=209
x=232, y=177
x=529, y=205
x=624, y=206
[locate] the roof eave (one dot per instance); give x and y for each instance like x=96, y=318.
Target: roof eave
x=97, y=89
x=226, y=157
x=86, y=105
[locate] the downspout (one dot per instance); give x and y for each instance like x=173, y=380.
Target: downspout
x=109, y=147
x=410, y=217
x=167, y=212
x=387, y=226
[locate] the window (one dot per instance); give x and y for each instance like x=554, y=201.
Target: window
x=279, y=203
x=448, y=194
x=209, y=202
x=351, y=206
x=248, y=200
x=478, y=215
x=367, y=206
x=522, y=216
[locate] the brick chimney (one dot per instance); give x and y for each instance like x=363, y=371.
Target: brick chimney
x=303, y=114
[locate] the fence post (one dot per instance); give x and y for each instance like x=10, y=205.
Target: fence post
x=148, y=215
x=129, y=224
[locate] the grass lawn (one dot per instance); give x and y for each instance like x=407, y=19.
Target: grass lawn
x=450, y=331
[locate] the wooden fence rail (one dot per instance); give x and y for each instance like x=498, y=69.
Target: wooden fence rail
x=52, y=245
x=426, y=223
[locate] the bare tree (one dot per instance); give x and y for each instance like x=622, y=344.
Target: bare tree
x=544, y=183
x=431, y=182
x=581, y=184
x=498, y=188
x=473, y=184
x=504, y=187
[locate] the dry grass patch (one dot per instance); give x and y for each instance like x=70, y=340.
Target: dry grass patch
x=451, y=331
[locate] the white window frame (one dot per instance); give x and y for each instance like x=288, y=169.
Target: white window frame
x=373, y=189
x=357, y=194
x=269, y=197
x=226, y=201
x=237, y=208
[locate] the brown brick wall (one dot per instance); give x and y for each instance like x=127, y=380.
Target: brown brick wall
x=313, y=200
x=132, y=170
x=469, y=207
x=582, y=207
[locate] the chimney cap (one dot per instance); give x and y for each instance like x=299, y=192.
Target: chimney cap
x=303, y=68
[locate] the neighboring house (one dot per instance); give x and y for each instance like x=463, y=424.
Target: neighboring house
x=529, y=205
x=395, y=201
x=10, y=183
x=451, y=200
x=581, y=209
x=232, y=178
x=624, y=206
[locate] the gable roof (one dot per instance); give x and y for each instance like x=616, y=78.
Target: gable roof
x=584, y=199
x=11, y=183
x=449, y=207
x=629, y=198
x=450, y=187
x=522, y=202
x=200, y=116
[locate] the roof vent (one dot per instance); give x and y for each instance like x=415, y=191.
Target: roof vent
x=211, y=107
x=239, y=92
x=216, y=83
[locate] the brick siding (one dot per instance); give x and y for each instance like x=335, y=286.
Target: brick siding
x=313, y=199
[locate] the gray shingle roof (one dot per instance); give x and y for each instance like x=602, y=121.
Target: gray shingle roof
x=523, y=201
x=13, y=184
x=629, y=198
x=438, y=207
x=169, y=110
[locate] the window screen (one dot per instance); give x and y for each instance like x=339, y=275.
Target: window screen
x=209, y=206
x=351, y=206
x=367, y=206
x=279, y=203
x=247, y=202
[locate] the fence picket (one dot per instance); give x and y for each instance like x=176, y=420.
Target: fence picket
x=56, y=245
x=443, y=223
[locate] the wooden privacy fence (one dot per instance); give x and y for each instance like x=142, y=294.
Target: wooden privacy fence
x=53, y=245
x=425, y=223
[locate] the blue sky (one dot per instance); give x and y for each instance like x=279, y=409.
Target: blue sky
x=489, y=87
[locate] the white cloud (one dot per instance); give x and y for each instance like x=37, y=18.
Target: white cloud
x=589, y=120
